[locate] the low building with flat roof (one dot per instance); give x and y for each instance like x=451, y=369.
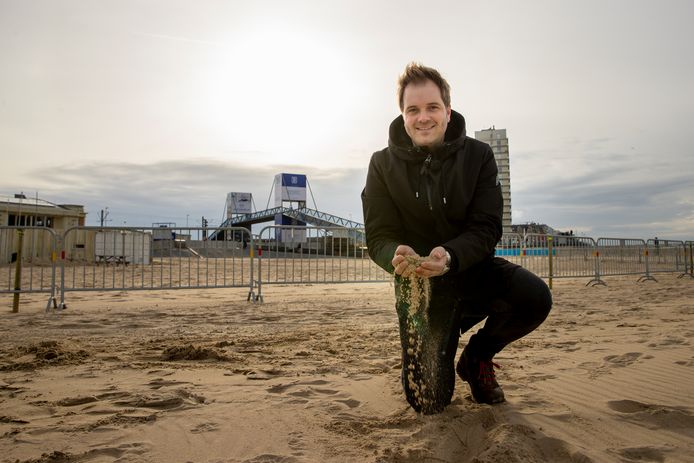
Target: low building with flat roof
x=22, y=211
x=38, y=245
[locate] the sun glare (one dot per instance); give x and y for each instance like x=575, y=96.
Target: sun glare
x=280, y=91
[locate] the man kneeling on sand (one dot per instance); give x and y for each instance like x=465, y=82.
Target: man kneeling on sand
x=434, y=192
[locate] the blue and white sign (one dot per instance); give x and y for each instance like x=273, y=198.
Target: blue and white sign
x=290, y=187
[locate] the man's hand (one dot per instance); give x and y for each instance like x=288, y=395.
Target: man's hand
x=434, y=265
x=400, y=264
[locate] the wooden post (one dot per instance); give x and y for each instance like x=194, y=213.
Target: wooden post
x=549, y=251
x=18, y=273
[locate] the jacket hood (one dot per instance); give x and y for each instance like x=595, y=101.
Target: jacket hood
x=401, y=144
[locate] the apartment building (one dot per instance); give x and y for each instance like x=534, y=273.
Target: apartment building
x=497, y=139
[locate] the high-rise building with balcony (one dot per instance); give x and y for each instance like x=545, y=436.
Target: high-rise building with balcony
x=496, y=138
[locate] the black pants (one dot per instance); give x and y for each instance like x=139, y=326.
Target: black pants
x=513, y=300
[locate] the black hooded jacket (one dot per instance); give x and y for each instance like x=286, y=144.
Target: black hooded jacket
x=449, y=197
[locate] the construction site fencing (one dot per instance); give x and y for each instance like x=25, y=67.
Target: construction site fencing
x=28, y=262
x=296, y=254
x=156, y=258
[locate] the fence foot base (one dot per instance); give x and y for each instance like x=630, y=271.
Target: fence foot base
x=596, y=282
x=686, y=275
x=51, y=304
x=646, y=278
x=252, y=297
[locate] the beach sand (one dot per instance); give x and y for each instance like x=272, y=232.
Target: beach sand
x=313, y=375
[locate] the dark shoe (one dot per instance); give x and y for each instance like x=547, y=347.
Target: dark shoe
x=480, y=376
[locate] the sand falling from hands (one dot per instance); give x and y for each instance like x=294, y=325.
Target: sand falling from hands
x=415, y=294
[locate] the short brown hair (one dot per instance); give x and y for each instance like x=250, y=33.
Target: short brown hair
x=416, y=73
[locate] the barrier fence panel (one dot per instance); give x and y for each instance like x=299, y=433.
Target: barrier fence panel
x=150, y=258
x=534, y=254
x=27, y=262
x=137, y=258
x=575, y=256
x=295, y=254
x=688, y=259
x=666, y=256
x=622, y=256
x=560, y=256
x=510, y=247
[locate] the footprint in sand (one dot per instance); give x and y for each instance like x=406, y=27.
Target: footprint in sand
x=263, y=374
x=103, y=453
x=622, y=360
x=158, y=383
x=566, y=346
x=119, y=419
x=643, y=453
x=668, y=341
x=180, y=398
x=279, y=388
x=351, y=403
x=271, y=458
x=160, y=403
x=296, y=443
x=313, y=392
x=303, y=391
x=678, y=419
x=595, y=369
x=74, y=401
x=204, y=427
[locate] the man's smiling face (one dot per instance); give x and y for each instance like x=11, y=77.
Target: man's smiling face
x=426, y=116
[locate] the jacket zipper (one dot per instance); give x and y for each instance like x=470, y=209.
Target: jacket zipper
x=427, y=164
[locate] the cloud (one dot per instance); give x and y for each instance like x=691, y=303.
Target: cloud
x=630, y=201
x=173, y=191
x=611, y=198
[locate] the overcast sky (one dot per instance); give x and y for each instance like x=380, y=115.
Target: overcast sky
x=157, y=109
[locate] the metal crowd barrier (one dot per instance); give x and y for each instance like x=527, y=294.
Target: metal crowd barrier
x=38, y=260
x=164, y=258
x=620, y=256
x=295, y=254
x=28, y=262
x=510, y=248
x=666, y=256
x=560, y=256
x=688, y=260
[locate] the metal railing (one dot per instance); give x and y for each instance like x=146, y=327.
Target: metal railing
x=621, y=256
x=39, y=260
x=558, y=256
x=666, y=256
x=28, y=262
x=294, y=254
x=688, y=260
x=151, y=258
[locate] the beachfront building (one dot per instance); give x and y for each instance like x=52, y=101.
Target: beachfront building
x=497, y=139
x=23, y=211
